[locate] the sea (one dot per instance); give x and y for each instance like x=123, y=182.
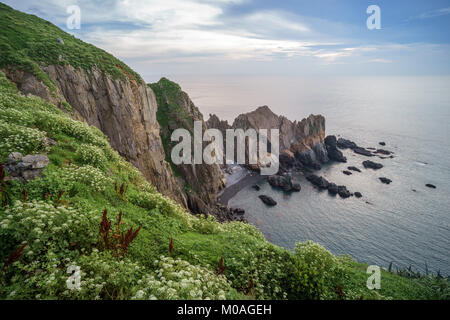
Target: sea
x=404, y=223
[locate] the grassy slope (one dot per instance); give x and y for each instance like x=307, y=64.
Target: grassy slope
x=62, y=232
x=27, y=41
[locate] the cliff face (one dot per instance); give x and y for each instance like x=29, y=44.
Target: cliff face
x=121, y=108
x=201, y=182
x=303, y=139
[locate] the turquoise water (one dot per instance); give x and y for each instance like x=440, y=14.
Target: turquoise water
x=391, y=223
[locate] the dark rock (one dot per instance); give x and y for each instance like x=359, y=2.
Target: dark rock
x=267, y=200
x=15, y=157
x=346, y=172
x=372, y=165
x=353, y=169
x=343, y=192
x=26, y=168
x=345, y=144
x=385, y=180
x=256, y=187
x=382, y=151
x=333, y=152
x=362, y=151
x=296, y=187
x=382, y=143
x=284, y=182
x=287, y=159
x=320, y=182
x=333, y=188
x=238, y=211
x=321, y=152
x=358, y=194
x=308, y=159
x=429, y=185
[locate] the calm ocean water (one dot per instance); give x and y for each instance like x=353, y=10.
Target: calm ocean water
x=391, y=223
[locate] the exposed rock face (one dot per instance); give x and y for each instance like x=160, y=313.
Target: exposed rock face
x=121, y=108
x=176, y=110
x=300, y=142
x=333, y=152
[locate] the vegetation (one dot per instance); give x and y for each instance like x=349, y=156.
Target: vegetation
x=154, y=249
x=28, y=42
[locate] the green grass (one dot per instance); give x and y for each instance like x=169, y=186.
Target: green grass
x=27, y=42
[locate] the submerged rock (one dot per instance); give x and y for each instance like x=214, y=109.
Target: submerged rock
x=372, y=165
x=268, y=200
x=256, y=187
x=385, y=180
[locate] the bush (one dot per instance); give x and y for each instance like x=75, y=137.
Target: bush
x=91, y=155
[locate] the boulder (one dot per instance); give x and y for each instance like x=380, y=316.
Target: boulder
x=382, y=143
x=26, y=168
x=15, y=157
x=385, y=180
x=267, y=200
x=372, y=165
x=358, y=194
x=38, y=161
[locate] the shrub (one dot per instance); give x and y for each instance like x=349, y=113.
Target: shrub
x=91, y=155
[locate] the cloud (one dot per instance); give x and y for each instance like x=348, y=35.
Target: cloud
x=380, y=60
x=432, y=14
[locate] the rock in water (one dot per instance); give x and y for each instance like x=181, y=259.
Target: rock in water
x=362, y=151
x=353, y=169
x=372, y=165
x=346, y=172
x=429, y=185
x=345, y=144
x=256, y=187
x=284, y=182
x=343, y=192
x=358, y=194
x=382, y=151
x=320, y=182
x=333, y=152
x=333, y=188
x=382, y=143
x=296, y=187
x=385, y=180
x=268, y=200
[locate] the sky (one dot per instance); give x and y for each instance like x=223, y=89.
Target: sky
x=261, y=37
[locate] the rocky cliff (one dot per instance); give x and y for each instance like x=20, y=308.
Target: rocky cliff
x=121, y=108
x=201, y=182
x=301, y=142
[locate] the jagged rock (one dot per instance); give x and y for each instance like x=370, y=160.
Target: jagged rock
x=385, y=180
x=429, y=185
x=238, y=211
x=267, y=200
x=256, y=187
x=333, y=152
x=345, y=144
x=308, y=159
x=321, y=152
x=48, y=142
x=296, y=187
x=358, y=194
x=343, y=192
x=353, y=169
x=362, y=151
x=37, y=161
x=348, y=173
x=372, y=165
x=287, y=159
x=333, y=188
x=320, y=182
x=382, y=143
x=284, y=182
